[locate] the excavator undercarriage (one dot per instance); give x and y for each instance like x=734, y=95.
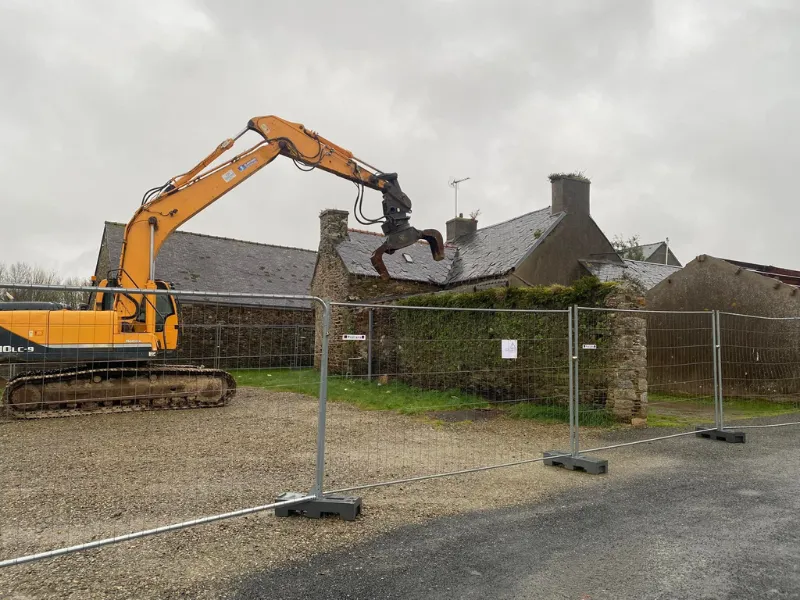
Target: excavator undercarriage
x=80, y=390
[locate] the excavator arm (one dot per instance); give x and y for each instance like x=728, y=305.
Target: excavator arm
x=166, y=208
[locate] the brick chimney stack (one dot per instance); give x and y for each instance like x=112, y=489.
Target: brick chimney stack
x=570, y=194
x=460, y=226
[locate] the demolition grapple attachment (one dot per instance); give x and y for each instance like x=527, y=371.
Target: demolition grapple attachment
x=396, y=227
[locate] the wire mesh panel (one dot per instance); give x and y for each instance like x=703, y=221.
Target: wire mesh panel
x=759, y=369
x=110, y=428
x=646, y=368
x=416, y=392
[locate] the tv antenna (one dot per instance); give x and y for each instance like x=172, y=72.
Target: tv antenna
x=454, y=184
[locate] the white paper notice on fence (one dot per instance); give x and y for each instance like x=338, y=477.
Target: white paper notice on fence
x=353, y=336
x=590, y=346
x=509, y=348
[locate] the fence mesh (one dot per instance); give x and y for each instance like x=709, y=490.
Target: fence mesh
x=760, y=369
x=418, y=392
x=125, y=461
x=635, y=364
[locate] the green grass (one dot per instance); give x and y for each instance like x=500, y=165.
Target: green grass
x=403, y=398
x=560, y=414
x=665, y=410
x=369, y=395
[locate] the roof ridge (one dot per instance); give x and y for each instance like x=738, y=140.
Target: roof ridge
x=515, y=218
x=219, y=237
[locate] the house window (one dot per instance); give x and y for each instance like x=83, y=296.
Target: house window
x=408, y=258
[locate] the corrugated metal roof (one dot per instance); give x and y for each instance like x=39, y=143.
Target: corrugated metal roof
x=787, y=276
x=198, y=262
x=646, y=274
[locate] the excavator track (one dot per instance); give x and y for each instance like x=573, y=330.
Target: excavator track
x=85, y=390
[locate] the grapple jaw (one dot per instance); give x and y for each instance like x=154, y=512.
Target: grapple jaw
x=406, y=237
x=399, y=233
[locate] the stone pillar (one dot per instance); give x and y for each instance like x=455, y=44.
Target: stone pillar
x=626, y=356
x=331, y=280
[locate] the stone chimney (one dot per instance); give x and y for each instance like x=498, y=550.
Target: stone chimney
x=460, y=226
x=570, y=194
x=332, y=228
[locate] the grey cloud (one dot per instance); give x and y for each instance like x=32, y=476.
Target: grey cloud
x=681, y=112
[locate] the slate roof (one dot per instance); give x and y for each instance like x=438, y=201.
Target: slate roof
x=646, y=274
x=647, y=249
x=496, y=249
x=356, y=251
x=198, y=262
x=489, y=252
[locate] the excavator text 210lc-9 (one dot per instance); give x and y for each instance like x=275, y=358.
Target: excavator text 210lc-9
x=114, y=348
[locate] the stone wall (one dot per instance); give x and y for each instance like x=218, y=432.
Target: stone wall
x=243, y=337
x=334, y=283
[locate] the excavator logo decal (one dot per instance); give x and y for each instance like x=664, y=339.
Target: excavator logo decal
x=249, y=163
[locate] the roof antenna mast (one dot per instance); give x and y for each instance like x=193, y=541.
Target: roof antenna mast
x=454, y=184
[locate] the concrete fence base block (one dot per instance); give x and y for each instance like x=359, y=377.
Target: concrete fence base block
x=721, y=435
x=588, y=464
x=346, y=507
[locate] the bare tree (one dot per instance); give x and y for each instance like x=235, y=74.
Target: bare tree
x=24, y=273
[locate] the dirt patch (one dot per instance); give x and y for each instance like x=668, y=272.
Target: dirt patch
x=466, y=414
x=72, y=480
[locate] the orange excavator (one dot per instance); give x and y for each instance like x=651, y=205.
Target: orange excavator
x=116, y=347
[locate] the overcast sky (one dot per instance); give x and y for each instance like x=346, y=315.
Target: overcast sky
x=683, y=114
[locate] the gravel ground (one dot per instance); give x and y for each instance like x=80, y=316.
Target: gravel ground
x=72, y=480
x=719, y=522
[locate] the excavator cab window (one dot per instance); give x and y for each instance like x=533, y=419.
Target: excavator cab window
x=164, y=306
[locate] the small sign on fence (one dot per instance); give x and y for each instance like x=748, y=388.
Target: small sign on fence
x=509, y=349
x=590, y=346
x=354, y=337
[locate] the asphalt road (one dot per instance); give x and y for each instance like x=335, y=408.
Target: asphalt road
x=724, y=524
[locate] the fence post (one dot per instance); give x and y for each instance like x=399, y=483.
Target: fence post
x=572, y=358
x=718, y=358
x=715, y=353
x=296, y=355
x=217, y=345
x=576, y=393
x=323, y=404
x=369, y=347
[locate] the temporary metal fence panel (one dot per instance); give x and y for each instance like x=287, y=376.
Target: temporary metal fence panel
x=152, y=449
x=648, y=368
x=419, y=392
x=759, y=370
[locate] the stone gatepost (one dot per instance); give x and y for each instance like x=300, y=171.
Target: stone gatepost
x=627, y=355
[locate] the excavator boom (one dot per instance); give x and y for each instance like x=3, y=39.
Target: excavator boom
x=168, y=207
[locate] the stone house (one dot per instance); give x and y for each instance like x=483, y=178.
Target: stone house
x=759, y=356
x=232, y=332
x=556, y=244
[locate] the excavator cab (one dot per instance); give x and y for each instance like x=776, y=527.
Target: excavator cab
x=156, y=314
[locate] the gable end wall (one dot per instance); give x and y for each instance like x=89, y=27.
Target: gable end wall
x=555, y=259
